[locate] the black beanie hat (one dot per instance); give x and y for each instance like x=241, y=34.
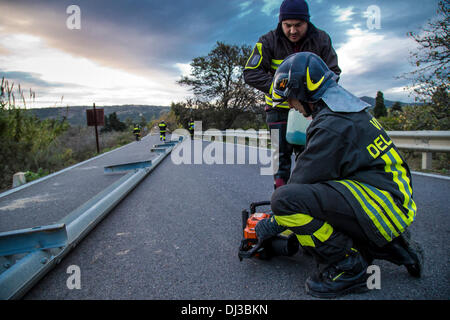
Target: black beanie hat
x=294, y=9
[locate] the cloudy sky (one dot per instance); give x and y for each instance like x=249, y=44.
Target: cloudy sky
x=133, y=52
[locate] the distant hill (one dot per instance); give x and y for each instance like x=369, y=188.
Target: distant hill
x=387, y=103
x=76, y=115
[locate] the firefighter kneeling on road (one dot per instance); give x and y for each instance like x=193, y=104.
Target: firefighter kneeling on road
x=349, y=199
x=162, y=130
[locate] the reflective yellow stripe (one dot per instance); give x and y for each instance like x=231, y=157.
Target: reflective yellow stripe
x=294, y=220
x=275, y=64
x=309, y=84
x=337, y=277
x=373, y=214
x=394, y=166
x=395, y=216
x=284, y=104
x=305, y=241
x=259, y=48
x=299, y=220
x=274, y=94
x=377, y=208
x=286, y=233
x=396, y=208
x=324, y=232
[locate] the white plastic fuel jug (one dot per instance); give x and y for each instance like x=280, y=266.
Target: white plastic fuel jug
x=296, y=127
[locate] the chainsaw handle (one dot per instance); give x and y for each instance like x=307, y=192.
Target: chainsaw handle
x=254, y=205
x=250, y=253
x=255, y=249
x=245, y=216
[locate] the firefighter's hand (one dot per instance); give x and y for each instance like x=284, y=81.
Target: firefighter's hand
x=268, y=228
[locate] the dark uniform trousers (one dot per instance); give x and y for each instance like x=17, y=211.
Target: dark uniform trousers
x=321, y=218
x=277, y=119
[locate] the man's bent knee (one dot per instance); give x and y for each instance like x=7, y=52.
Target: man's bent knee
x=285, y=196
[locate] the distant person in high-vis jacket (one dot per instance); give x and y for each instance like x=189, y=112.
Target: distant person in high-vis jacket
x=294, y=33
x=191, y=128
x=162, y=130
x=349, y=199
x=137, y=132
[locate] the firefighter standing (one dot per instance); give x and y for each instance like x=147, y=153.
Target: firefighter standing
x=162, y=130
x=349, y=199
x=294, y=33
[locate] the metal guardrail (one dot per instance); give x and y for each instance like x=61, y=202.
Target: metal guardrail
x=434, y=141
x=231, y=133
x=426, y=142
x=29, y=254
x=419, y=141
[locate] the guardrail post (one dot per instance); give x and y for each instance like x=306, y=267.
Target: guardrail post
x=19, y=179
x=426, y=160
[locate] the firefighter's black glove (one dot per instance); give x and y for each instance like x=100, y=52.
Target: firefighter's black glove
x=268, y=228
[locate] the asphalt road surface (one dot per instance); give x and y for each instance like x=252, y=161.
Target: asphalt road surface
x=176, y=236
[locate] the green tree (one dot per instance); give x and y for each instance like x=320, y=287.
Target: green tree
x=379, y=109
x=432, y=57
x=441, y=108
x=396, y=106
x=112, y=123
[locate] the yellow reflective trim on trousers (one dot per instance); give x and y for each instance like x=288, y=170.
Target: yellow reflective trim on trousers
x=284, y=104
x=305, y=241
x=286, y=232
x=324, y=232
x=299, y=220
x=394, y=217
x=259, y=48
x=401, y=180
x=294, y=220
x=275, y=63
x=371, y=215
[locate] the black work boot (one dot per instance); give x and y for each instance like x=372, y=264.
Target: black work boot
x=403, y=251
x=345, y=276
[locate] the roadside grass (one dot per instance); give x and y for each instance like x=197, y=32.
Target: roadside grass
x=75, y=145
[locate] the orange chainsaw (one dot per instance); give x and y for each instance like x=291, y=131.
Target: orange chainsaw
x=283, y=244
